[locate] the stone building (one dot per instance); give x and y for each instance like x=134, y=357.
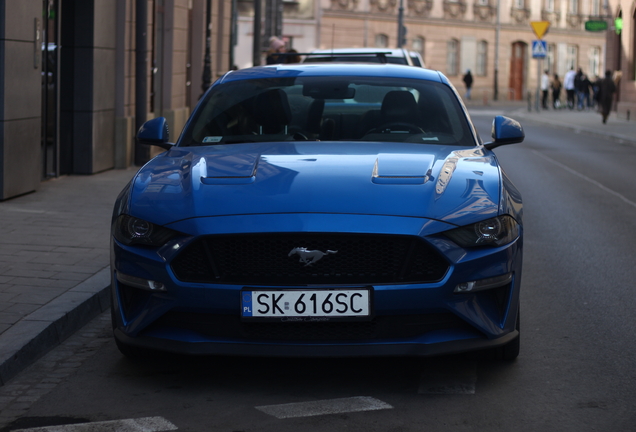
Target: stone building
x=68, y=80
x=453, y=36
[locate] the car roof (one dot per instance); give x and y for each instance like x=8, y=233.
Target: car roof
x=334, y=70
x=352, y=55
x=397, y=52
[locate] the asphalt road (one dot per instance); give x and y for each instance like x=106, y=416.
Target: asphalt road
x=576, y=371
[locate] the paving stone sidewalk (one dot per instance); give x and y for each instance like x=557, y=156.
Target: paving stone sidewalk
x=586, y=121
x=54, y=248
x=54, y=263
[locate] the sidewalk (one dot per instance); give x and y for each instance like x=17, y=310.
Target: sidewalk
x=54, y=263
x=54, y=252
x=588, y=122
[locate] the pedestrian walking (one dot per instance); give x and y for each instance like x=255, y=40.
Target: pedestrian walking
x=556, y=92
x=596, y=88
x=568, y=84
x=468, y=81
x=276, y=46
x=545, y=87
x=292, y=56
x=606, y=95
x=578, y=87
x=586, y=86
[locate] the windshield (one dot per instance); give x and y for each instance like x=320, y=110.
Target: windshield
x=329, y=109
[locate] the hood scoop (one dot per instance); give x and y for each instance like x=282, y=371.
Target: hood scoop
x=395, y=169
x=233, y=169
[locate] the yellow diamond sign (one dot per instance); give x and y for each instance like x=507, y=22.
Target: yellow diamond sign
x=540, y=28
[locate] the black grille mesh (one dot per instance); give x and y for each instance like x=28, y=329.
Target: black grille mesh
x=381, y=327
x=264, y=259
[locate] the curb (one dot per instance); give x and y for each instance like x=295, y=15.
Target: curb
x=50, y=325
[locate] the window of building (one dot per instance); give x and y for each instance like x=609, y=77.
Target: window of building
x=482, y=2
x=381, y=41
x=550, y=59
x=572, y=57
x=452, y=52
x=594, y=68
x=596, y=7
x=418, y=45
x=549, y=5
x=573, y=7
x=482, y=58
x=519, y=4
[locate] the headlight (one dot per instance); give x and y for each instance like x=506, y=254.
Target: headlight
x=491, y=232
x=130, y=230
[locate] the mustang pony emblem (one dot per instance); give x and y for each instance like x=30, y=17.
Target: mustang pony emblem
x=309, y=256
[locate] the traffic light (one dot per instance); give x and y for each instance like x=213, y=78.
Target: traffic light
x=402, y=36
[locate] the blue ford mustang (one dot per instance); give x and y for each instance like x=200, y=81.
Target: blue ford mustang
x=321, y=210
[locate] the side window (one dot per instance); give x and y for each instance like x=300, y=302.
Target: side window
x=452, y=51
x=482, y=58
x=381, y=41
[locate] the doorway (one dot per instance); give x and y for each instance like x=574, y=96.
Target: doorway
x=50, y=87
x=517, y=70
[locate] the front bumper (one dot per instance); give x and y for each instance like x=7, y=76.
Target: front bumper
x=203, y=318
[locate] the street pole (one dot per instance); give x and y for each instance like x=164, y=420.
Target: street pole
x=536, y=103
x=207, y=60
x=400, y=25
x=256, y=47
x=497, y=31
x=142, y=152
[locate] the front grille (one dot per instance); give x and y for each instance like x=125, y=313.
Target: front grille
x=382, y=327
x=264, y=259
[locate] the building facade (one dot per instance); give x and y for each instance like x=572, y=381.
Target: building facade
x=69, y=73
x=456, y=35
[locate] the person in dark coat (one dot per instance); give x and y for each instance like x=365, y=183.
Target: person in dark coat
x=556, y=92
x=606, y=95
x=596, y=88
x=586, y=85
x=468, y=80
x=579, y=83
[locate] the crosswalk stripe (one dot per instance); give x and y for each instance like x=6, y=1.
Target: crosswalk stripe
x=323, y=407
x=146, y=424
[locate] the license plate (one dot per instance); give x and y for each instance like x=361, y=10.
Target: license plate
x=305, y=303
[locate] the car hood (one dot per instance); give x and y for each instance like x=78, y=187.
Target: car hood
x=445, y=183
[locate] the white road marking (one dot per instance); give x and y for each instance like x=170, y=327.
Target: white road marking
x=586, y=178
x=324, y=407
x=146, y=424
x=455, y=378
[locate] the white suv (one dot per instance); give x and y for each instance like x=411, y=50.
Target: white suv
x=364, y=55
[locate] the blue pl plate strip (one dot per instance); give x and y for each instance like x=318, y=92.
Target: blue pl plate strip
x=246, y=303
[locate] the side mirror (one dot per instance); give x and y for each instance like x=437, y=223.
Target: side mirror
x=505, y=131
x=155, y=132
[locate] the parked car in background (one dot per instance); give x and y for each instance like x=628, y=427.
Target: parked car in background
x=416, y=59
x=361, y=55
x=321, y=210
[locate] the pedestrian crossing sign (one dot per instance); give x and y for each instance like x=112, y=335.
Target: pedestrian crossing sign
x=539, y=49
